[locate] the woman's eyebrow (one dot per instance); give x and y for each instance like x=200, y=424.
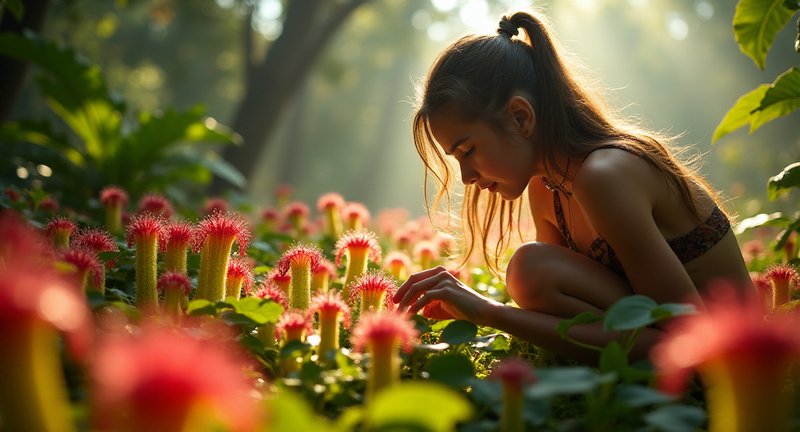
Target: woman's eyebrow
x=455, y=145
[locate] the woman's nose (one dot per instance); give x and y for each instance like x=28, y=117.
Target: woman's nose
x=468, y=175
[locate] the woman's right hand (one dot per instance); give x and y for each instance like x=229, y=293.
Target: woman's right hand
x=457, y=299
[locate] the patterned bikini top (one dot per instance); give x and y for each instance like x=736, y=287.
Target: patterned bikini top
x=686, y=247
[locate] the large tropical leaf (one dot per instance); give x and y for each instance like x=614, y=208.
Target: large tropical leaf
x=782, y=98
x=740, y=113
x=786, y=179
x=755, y=25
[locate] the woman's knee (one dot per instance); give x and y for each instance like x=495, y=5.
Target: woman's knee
x=530, y=277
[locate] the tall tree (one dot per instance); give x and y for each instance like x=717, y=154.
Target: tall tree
x=308, y=25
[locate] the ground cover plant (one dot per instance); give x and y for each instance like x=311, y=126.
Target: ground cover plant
x=128, y=305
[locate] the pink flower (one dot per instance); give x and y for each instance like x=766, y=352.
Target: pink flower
x=113, y=196
x=783, y=278
x=173, y=281
x=397, y=263
x=365, y=241
x=59, y=230
x=164, y=380
x=426, y=252
x=49, y=205
x=224, y=228
x=239, y=277
x=144, y=227
x=280, y=280
x=300, y=255
x=386, y=329
x=293, y=325
x=216, y=205
x=176, y=234
x=374, y=290
x=331, y=304
x=283, y=191
x=272, y=293
x=356, y=215
x=513, y=372
x=86, y=263
x=157, y=204
x=330, y=200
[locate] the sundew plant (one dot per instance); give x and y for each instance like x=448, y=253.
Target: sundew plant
x=137, y=312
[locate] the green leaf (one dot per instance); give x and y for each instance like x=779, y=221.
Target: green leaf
x=676, y=418
x=290, y=412
x=201, y=307
x=786, y=179
x=294, y=348
x=261, y=311
x=582, y=318
x=630, y=313
x=454, y=370
x=565, y=380
x=15, y=7
x=635, y=395
x=755, y=25
x=613, y=359
x=782, y=98
x=423, y=405
x=792, y=4
x=784, y=235
x=759, y=220
x=458, y=332
x=739, y=114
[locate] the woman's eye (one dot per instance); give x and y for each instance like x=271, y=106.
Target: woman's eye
x=469, y=152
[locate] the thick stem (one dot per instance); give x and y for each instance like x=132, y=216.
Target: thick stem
x=334, y=222
x=101, y=278
x=511, y=417
x=328, y=332
x=175, y=259
x=320, y=281
x=266, y=334
x=114, y=218
x=61, y=239
x=384, y=368
x=370, y=302
x=356, y=266
x=300, y=291
x=747, y=395
x=214, y=268
x=33, y=397
x=173, y=298
x=146, y=273
x=781, y=293
x=233, y=287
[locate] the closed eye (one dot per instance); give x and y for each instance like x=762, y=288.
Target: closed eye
x=469, y=152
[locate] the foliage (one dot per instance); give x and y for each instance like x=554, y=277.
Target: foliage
x=167, y=151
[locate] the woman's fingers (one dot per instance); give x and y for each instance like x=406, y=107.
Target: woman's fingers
x=438, y=293
x=417, y=289
x=414, y=278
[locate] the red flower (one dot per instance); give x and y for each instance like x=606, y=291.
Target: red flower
x=293, y=325
x=96, y=240
x=363, y=240
x=49, y=205
x=330, y=200
x=176, y=234
x=272, y=293
x=297, y=210
x=240, y=269
x=157, y=204
x=300, y=255
x=325, y=266
x=514, y=373
x=331, y=302
x=270, y=215
x=283, y=191
x=174, y=281
x=355, y=211
x=396, y=259
x=373, y=289
x=216, y=205
x=144, y=226
x=165, y=380
x=113, y=196
x=60, y=229
x=384, y=329
x=223, y=228
x=86, y=262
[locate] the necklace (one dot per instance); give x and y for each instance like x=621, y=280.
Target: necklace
x=559, y=187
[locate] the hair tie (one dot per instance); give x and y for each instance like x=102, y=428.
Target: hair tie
x=507, y=28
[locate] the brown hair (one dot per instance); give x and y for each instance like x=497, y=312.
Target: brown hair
x=476, y=76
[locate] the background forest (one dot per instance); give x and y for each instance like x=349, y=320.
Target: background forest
x=343, y=123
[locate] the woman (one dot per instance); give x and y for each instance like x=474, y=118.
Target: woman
x=616, y=213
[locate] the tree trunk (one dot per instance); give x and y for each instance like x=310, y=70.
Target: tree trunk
x=12, y=72
x=308, y=26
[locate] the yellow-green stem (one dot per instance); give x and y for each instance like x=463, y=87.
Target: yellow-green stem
x=266, y=333
x=175, y=259
x=61, y=239
x=746, y=395
x=511, y=416
x=233, y=287
x=356, y=266
x=398, y=271
x=214, y=269
x=334, y=221
x=173, y=298
x=83, y=279
x=101, y=277
x=300, y=289
x=426, y=261
x=328, y=332
x=32, y=397
x=384, y=367
x=320, y=281
x=371, y=303
x=146, y=273
x=781, y=293
x=114, y=218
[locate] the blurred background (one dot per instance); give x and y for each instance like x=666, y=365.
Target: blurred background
x=323, y=91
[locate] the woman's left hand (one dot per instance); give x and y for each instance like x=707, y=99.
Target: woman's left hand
x=457, y=299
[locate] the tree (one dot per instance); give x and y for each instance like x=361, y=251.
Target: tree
x=270, y=83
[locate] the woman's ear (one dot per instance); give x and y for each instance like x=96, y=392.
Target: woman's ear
x=523, y=115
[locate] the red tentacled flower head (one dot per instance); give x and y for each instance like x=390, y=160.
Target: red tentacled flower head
x=364, y=240
x=283, y=191
x=32, y=291
x=60, y=226
x=294, y=325
x=273, y=293
x=356, y=211
x=216, y=205
x=96, y=240
x=331, y=301
x=165, y=380
x=514, y=373
x=49, y=205
x=174, y=281
x=782, y=273
x=157, y=204
x=330, y=200
x=387, y=328
x=241, y=269
x=397, y=259
x=270, y=215
x=84, y=261
x=296, y=210
x=222, y=227
x=176, y=234
x=299, y=255
x=373, y=287
x=325, y=266
x=144, y=226
x=113, y=196
x=426, y=249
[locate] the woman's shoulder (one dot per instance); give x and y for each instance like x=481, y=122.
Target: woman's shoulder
x=613, y=167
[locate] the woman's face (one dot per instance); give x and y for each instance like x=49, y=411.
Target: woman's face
x=492, y=160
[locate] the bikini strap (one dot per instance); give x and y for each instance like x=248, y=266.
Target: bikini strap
x=562, y=223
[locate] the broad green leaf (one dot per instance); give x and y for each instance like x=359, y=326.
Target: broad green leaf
x=676, y=418
x=613, y=359
x=759, y=220
x=784, y=235
x=630, y=313
x=565, y=380
x=582, y=318
x=458, y=332
x=782, y=98
x=15, y=7
x=201, y=307
x=290, y=412
x=638, y=395
x=423, y=405
x=261, y=311
x=755, y=24
x=739, y=114
x=671, y=310
x=786, y=179
x=294, y=348
x=455, y=370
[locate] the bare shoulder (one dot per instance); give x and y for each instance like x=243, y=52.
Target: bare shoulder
x=613, y=171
